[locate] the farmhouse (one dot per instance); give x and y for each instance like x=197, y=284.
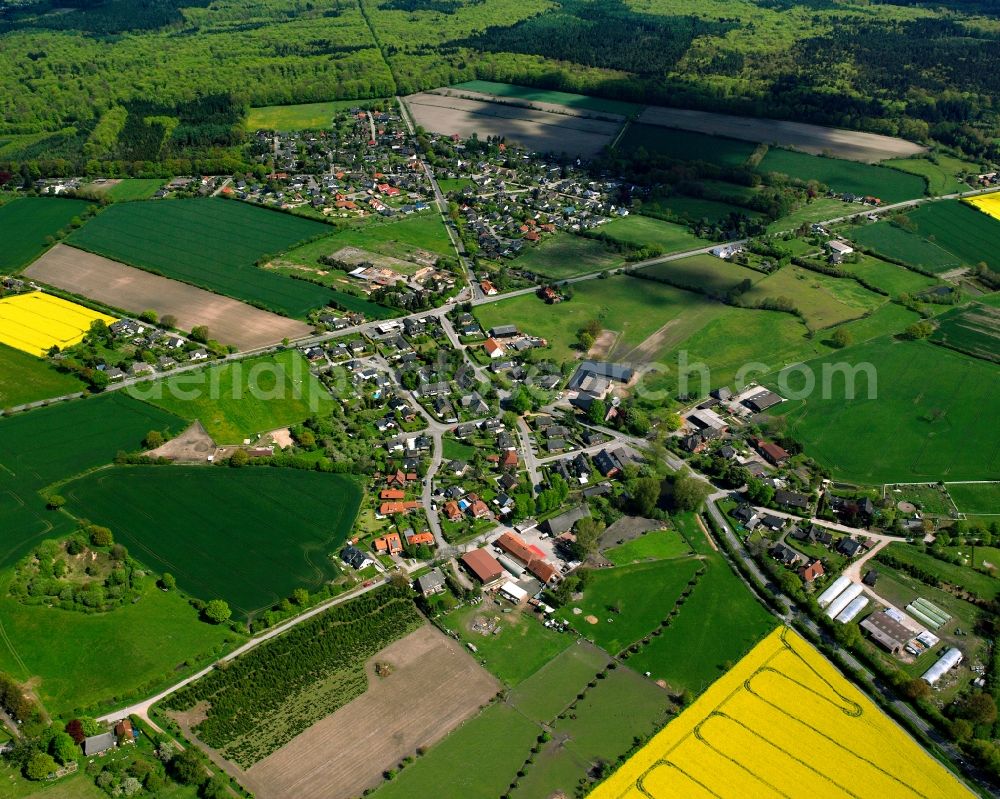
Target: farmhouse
x=887, y=632
x=762, y=400
x=431, y=583
x=588, y=376
x=564, y=522
x=494, y=348
x=99, y=744
x=839, y=248
x=705, y=419
x=503, y=331
x=484, y=567
x=771, y=452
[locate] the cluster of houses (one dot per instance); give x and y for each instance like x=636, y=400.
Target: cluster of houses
x=146, y=349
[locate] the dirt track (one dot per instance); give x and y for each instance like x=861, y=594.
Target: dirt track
x=850, y=144
x=229, y=321
x=432, y=687
x=540, y=131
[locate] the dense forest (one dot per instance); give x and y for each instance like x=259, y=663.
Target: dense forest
x=155, y=85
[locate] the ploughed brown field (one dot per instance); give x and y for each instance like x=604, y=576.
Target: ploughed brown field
x=432, y=686
x=115, y=284
x=569, y=131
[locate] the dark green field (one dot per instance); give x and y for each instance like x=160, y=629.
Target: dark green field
x=25, y=378
x=545, y=96
x=27, y=222
x=248, y=536
x=209, y=243
x=693, y=209
x=927, y=422
x=890, y=185
x=965, y=231
x=685, y=145
x=51, y=444
x=974, y=330
x=890, y=240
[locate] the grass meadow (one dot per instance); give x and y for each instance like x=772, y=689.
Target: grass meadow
x=398, y=239
x=703, y=273
x=135, y=189
x=25, y=378
x=818, y=210
x=654, y=545
x=249, y=536
x=693, y=209
x=940, y=174
x=982, y=585
x=551, y=689
x=645, y=231
x=971, y=329
x=889, y=277
x=918, y=427
x=234, y=401
x=210, y=243
x=976, y=498
x=563, y=255
x=26, y=223
x=302, y=116
x=890, y=185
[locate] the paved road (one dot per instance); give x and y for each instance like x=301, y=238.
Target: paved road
x=531, y=462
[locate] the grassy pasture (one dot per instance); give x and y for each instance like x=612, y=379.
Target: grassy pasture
x=25, y=378
x=25, y=224
x=887, y=239
x=817, y=211
x=917, y=429
x=579, y=101
x=703, y=273
x=655, y=545
x=983, y=585
x=635, y=309
x=237, y=400
x=694, y=209
x=287, y=523
x=500, y=730
x=564, y=255
x=210, y=243
x=889, y=319
x=891, y=185
x=644, y=593
x=644, y=231
x=693, y=652
x=153, y=643
x=823, y=300
x=685, y=145
x=961, y=229
x=302, y=116
x=981, y=498
x=889, y=277
x=972, y=330
x=551, y=689
x=941, y=177
x=135, y=189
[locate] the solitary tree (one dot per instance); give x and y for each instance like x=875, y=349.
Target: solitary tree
x=153, y=439
x=841, y=338
x=217, y=611
x=300, y=596
x=168, y=582
x=100, y=536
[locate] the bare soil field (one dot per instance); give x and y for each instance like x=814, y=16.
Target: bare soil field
x=432, y=686
x=194, y=445
x=356, y=256
x=120, y=286
x=541, y=131
x=849, y=144
x=603, y=344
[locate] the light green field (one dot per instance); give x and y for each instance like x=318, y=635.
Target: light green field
x=304, y=116
x=493, y=746
x=823, y=300
x=564, y=255
x=704, y=273
x=548, y=692
x=889, y=277
x=635, y=309
x=237, y=400
x=643, y=593
x=522, y=647
x=941, y=177
x=546, y=96
x=889, y=319
x=127, y=189
x=887, y=239
x=76, y=786
x=655, y=545
x=25, y=378
x=817, y=211
x=916, y=429
x=448, y=185
x=976, y=498
x=152, y=643
x=644, y=231
x=983, y=585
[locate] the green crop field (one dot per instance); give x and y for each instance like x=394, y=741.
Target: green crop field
x=522, y=646
x=890, y=240
x=26, y=223
x=692, y=653
x=693, y=209
x=303, y=116
x=551, y=689
x=703, y=273
x=211, y=243
x=961, y=229
x=927, y=398
x=823, y=300
x=941, y=177
x=51, y=444
x=153, y=643
x=655, y=545
x=643, y=593
x=287, y=522
x=889, y=277
x=972, y=330
x=890, y=185
x=984, y=586
x=25, y=378
x=685, y=145
x=976, y=498
x=501, y=731
x=237, y=400
x=644, y=231
x=580, y=101
x=564, y=255
x=635, y=309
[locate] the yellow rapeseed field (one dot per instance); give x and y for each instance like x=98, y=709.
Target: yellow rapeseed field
x=782, y=723
x=35, y=322
x=990, y=203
